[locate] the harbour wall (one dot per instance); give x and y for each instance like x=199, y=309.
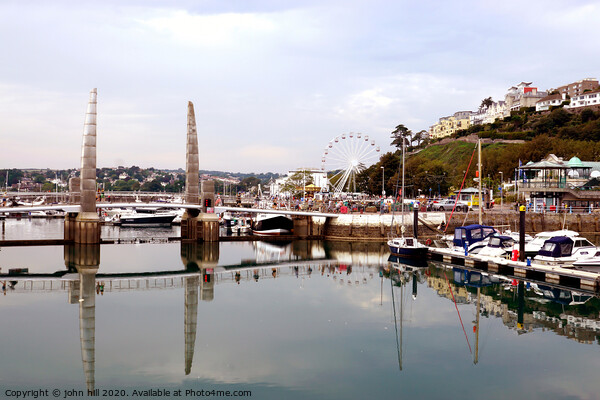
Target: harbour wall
x=380, y=227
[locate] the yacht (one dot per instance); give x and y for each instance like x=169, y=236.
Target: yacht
x=407, y=247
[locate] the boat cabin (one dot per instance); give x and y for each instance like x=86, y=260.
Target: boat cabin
x=501, y=242
x=558, y=246
x=471, y=234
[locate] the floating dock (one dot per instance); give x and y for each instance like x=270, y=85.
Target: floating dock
x=572, y=278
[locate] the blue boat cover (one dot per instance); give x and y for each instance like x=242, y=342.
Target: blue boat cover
x=558, y=246
x=471, y=234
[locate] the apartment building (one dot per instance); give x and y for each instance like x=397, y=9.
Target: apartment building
x=576, y=88
x=449, y=125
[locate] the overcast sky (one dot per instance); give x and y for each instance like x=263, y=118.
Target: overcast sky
x=272, y=81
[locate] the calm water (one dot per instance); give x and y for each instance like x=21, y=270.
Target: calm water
x=295, y=321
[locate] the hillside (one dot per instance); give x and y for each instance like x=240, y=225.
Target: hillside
x=525, y=135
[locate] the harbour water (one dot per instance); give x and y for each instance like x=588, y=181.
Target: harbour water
x=327, y=320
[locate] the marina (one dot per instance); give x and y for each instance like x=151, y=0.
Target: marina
x=349, y=320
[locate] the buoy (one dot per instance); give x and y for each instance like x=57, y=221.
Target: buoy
x=428, y=242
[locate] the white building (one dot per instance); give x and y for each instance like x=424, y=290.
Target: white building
x=552, y=100
x=585, y=100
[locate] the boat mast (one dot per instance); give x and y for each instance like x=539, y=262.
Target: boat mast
x=480, y=199
x=402, y=205
x=476, y=359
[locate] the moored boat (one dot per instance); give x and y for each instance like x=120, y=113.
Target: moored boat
x=407, y=247
x=272, y=224
x=472, y=237
x=564, y=251
x=146, y=219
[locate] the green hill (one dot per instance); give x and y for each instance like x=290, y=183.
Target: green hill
x=525, y=135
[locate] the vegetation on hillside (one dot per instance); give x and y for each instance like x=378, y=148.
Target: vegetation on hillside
x=435, y=169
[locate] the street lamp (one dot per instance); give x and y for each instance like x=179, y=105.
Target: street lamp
x=382, y=182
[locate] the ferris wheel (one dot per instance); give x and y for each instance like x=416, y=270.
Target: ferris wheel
x=346, y=156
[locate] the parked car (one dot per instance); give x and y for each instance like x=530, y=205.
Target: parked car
x=448, y=205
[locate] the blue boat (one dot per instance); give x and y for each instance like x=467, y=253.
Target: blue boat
x=407, y=247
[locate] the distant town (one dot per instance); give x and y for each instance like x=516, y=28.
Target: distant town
x=127, y=179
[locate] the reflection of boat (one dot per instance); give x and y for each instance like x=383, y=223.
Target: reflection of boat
x=471, y=278
x=564, y=251
x=407, y=264
x=562, y=296
x=272, y=224
x=276, y=251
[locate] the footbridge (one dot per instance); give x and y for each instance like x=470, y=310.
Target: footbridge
x=199, y=223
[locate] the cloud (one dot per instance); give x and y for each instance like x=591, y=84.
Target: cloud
x=217, y=30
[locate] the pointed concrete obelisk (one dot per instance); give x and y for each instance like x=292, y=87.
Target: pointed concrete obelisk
x=88, y=222
x=85, y=228
x=195, y=226
x=192, y=165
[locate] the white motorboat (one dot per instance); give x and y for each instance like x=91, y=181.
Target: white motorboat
x=127, y=217
x=564, y=251
x=533, y=246
x=592, y=262
x=147, y=219
x=241, y=225
x=498, y=246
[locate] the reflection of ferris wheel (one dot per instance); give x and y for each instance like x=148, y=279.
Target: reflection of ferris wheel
x=348, y=155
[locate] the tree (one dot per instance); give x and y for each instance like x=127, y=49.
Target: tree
x=486, y=103
x=295, y=183
x=400, y=134
x=250, y=182
x=152, y=186
x=419, y=137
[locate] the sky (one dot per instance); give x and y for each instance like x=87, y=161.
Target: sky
x=272, y=82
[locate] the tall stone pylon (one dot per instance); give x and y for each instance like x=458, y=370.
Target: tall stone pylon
x=192, y=165
x=195, y=226
x=85, y=228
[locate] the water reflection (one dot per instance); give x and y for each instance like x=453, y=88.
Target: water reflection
x=213, y=285
x=85, y=259
x=523, y=306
